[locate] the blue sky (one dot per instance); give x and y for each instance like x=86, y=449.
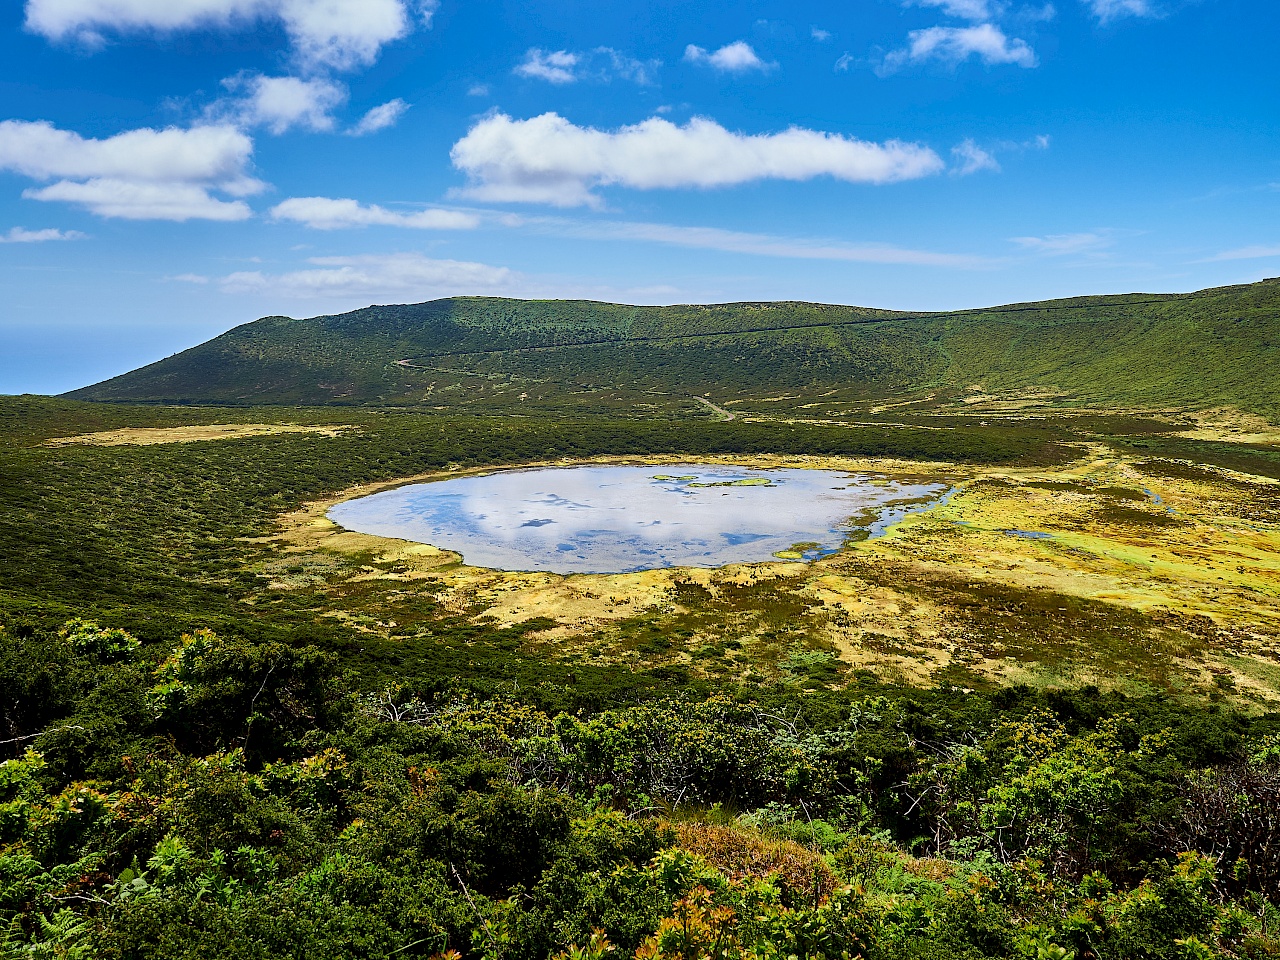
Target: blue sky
x=172, y=168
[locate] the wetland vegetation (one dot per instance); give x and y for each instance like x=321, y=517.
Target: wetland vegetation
x=1035, y=719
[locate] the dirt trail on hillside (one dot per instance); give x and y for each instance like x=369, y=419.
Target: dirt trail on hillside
x=721, y=411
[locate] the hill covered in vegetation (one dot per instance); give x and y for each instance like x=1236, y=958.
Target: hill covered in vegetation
x=1218, y=346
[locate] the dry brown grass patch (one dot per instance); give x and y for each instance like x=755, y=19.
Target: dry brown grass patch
x=146, y=436
x=737, y=852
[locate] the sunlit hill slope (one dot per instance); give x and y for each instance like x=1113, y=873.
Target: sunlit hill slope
x=1217, y=346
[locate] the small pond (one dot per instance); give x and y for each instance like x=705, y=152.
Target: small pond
x=621, y=519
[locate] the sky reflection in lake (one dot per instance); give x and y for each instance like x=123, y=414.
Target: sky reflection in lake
x=620, y=519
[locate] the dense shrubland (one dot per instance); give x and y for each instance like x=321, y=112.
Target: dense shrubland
x=214, y=797
x=195, y=766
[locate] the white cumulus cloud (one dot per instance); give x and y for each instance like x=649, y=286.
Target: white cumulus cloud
x=341, y=34
x=139, y=174
x=736, y=57
x=379, y=118
x=280, y=103
x=207, y=154
x=23, y=235
x=971, y=158
x=953, y=45
x=547, y=159
x=390, y=278
x=1108, y=10
x=326, y=213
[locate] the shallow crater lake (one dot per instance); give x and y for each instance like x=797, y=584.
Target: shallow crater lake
x=620, y=519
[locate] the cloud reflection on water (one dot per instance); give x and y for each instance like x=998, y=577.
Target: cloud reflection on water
x=620, y=519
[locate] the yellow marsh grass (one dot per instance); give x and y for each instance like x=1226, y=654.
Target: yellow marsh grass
x=146, y=436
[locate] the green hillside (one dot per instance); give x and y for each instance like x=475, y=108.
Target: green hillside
x=1217, y=346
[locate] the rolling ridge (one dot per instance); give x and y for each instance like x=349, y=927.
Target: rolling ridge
x=1215, y=347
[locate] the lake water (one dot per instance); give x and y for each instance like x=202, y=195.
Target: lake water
x=622, y=519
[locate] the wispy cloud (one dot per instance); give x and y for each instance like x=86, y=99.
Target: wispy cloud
x=23, y=235
x=379, y=118
x=326, y=213
x=602, y=64
x=402, y=276
x=1036, y=14
x=736, y=57
x=1067, y=244
x=1256, y=252
x=962, y=9
x=970, y=158
x=334, y=284
x=1039, y=142
x=624, y=67
x=1108, y=10
x=556, y=66
x=755, y=244
x=547, y=159
x=817, y=33
x=953, y=45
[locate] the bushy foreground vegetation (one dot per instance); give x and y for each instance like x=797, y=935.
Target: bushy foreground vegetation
x=213, y=797
x=195, y=764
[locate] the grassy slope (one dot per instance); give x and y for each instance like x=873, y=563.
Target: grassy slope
x=1212, y=347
